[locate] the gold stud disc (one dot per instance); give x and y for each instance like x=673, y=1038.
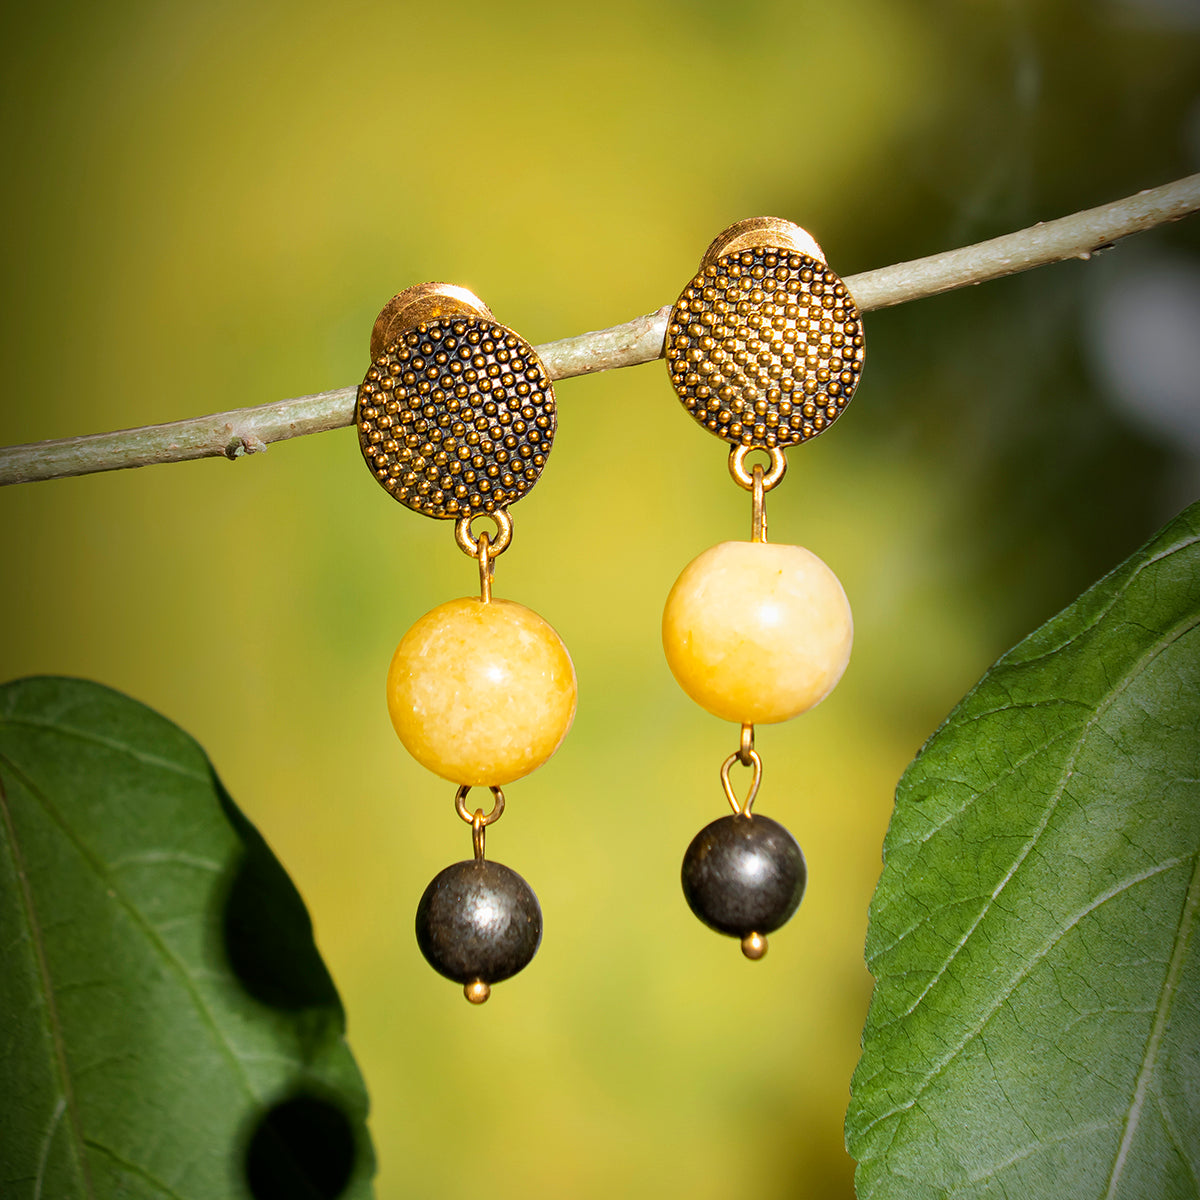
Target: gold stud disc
x=456, y=417
x=765, y=347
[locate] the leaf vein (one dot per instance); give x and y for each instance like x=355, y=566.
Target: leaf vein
x=135, y=1169
x=44, y=1156
x=1183, y=932
x=1026, y=968
x=1027, y=1152
x=148, y=930
x=154, y=858
x=1177, y=1141
x=97, y=739
x=67, y=1099
x=949, y=818
x=1169, y=638
x=1007, y=773
x=1116, y=597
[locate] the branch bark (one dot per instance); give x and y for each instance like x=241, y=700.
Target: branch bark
x=249, y=430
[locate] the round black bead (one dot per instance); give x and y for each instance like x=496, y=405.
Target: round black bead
x=478, y=921
x=744, y=875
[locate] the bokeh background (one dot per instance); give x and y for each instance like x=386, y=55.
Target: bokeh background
x=207, y=204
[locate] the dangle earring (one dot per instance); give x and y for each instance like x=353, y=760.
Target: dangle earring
x=765, y=348
x=455, y=419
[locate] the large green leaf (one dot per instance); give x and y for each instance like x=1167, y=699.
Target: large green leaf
x=1035, y=1028
x=167, y=1028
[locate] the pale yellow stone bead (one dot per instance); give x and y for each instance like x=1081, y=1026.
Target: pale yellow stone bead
x=479, y=693
x=757, y=632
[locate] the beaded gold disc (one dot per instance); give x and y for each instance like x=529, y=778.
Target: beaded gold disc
x=456, y=417
x=765, y=347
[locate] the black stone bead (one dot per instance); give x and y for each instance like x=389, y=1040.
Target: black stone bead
x=478, y=921
x=744, y=875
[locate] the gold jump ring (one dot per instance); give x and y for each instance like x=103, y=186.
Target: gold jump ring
x=743, y=478
x=460, y=805
x=469, y=544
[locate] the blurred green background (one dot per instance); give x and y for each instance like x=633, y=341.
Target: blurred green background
x=206, y=206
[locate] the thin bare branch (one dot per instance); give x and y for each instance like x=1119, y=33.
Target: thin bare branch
x=249, y=430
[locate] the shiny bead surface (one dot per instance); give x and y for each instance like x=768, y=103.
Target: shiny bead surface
x=744, y=875
x=478, y=923
x=481, y=694
x=757, y=631
x=754, y=946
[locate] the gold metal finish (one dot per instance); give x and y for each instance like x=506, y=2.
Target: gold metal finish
x=477, y=992
x=483, y=549
x=762, y=231
x=758, y=509
x=487, y=568
x=469, y=544
x=425, y=302
x=745, y=478
x=742, y=808
x=765, y=345
x=457, y=413
x=754, y=946
x=460, y=805
x=747, y=745
x=477, y=834
x=477, y=821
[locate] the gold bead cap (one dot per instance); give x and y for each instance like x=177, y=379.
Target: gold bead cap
x=763, y=231
x=424, y=302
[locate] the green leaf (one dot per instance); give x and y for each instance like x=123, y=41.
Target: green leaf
x=167, y=1028
x=1035, y=1027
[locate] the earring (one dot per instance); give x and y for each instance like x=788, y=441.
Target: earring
x=456, y=417
x=765, y=348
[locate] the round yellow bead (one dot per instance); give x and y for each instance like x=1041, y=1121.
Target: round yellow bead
x=757, y=632
x=481, y=694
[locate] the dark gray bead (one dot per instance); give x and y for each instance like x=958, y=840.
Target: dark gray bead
x=478, y=920
x=744, y=875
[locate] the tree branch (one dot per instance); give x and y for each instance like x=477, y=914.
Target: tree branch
x=249, y=430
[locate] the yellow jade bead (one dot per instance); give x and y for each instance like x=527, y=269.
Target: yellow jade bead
x=480, y=693
x=757, y=632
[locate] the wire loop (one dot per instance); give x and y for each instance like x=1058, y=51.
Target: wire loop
x=758, y=510
x=743, y=477
x=469, y=544
x=460, y=805
x=487, y=568
x=742, y=808
x=746, y=747
x=477, y=821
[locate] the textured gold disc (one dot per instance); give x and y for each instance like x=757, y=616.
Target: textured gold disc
x=456, y=417
x=765, y=347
